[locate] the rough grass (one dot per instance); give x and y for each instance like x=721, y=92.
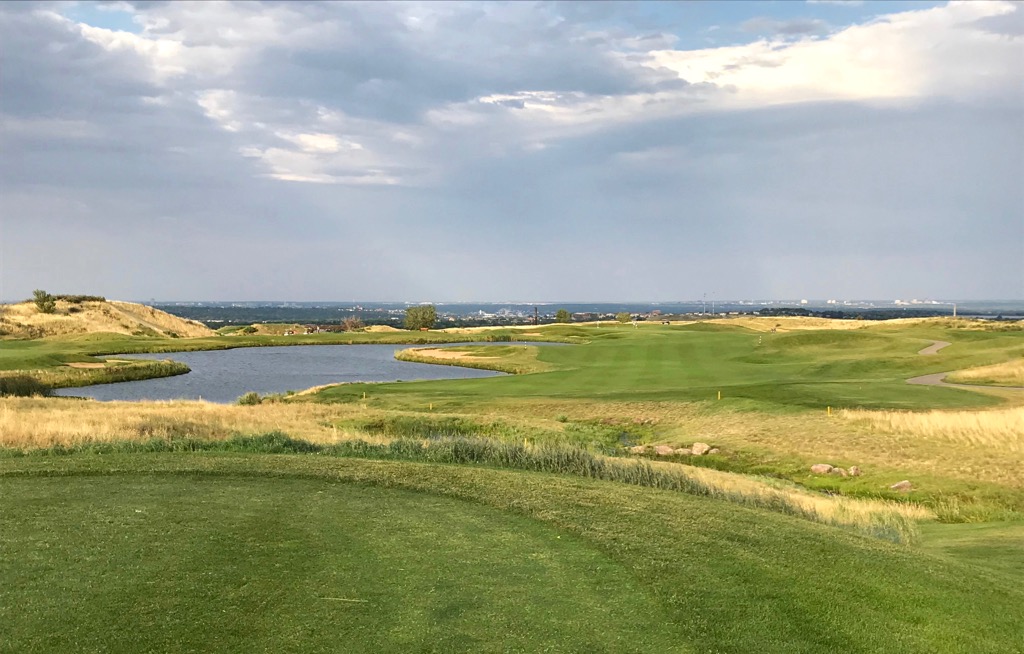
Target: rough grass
x=888, y=520
x=1009, y=373
x=37, y=423
x=127, y=318
x=1000, y=430
x=71, y=375
x=513, y=359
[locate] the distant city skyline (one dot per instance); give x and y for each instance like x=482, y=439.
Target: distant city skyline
x=611, y=151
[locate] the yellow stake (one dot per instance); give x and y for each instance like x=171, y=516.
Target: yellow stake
x=830, y=412
x=364, y=395
x=719, y=394
x=431, y=406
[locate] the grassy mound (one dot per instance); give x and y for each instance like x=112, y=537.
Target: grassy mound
x=73, y=317
x=242, y=552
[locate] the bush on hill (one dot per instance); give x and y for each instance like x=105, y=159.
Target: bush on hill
x=45, y=302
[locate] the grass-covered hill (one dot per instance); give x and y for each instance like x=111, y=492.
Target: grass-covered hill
x=25, y=320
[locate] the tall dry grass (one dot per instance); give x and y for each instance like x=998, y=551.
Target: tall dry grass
x=999, y=429
x=27, y=423
x=94, y=317
x=830, y=509
x=1009, y=373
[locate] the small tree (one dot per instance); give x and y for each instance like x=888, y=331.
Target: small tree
x=563, y=316
x=351, y=324
x=421, y=317
x=623, y=317
x=45, y=302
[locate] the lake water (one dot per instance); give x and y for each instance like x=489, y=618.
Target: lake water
x=225, y=375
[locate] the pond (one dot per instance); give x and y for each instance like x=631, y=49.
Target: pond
x=225, y=375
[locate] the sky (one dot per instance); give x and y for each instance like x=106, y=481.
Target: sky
x=555, y=151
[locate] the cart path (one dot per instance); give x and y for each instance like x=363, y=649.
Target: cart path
x=939, y=378
x=935, y=347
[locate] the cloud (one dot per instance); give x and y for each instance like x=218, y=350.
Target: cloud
x=795, y=27
x=314, y=150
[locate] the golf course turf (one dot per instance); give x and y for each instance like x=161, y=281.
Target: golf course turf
x=228, y=552
x=169, y=542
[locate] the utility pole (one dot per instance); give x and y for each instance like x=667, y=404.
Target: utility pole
x=535, y=319
x=704, y=307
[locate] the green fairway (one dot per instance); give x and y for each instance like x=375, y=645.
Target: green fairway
x=242, y=553
x=792, y=371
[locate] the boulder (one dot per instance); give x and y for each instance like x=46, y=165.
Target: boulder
x=699, y=449
x=714, y=450
x=664, y=450
x=681, y=450
x=854, y=471
x=638, y=449
x=838, y=471
x=821, y=468
x=902, y=486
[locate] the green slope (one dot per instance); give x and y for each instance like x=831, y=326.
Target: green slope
x=236, y=553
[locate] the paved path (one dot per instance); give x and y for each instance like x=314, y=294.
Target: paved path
x=939, y=378
x=935, y=347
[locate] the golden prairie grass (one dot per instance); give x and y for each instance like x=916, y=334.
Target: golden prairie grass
x=887, y=445
x=95, y=317
x=27, y=423
x=831, y=509
x=1001, y=429
x=789, y=323
x=1009, y=373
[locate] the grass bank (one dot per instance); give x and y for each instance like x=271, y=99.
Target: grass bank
x=893, y=521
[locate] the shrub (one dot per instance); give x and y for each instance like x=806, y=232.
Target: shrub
x=78, y=299
x=351, y=324
x=252, y=398
x=22, y=386
x=45, y=302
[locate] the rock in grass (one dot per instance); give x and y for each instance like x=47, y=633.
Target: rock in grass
x=699, y=449
x=854, y=471
x=664, y=450
x=714, y=450
x=838, y=471
x=821, y=468
x=681, y=450
x=902, y=486
x=638, y=449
